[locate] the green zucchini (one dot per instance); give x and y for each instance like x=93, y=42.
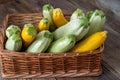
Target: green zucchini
x=47, y=13
x=77, y=27
x=63, y=44
x=96, y=19
x=41, y=43
x=14, y=43
x=78, y=13
x=12, y=29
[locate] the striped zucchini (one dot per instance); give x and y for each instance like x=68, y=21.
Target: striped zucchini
x=63, y=44
x=42, y=42
x=77, y=27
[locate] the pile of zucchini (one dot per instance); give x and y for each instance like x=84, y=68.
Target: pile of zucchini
x=55, y=34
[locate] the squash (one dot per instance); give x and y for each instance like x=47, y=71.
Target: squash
x=78, y=13
x=28, y=34
x=58, y=17
x=91, y=43
x=12, y=29
x=96, y=21
x=77, y=27
x=47, y=13
x=63, y=44
x=43, y=24
x=41, y=43
x=14, y=43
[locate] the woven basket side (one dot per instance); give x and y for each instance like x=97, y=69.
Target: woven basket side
x=27, y=65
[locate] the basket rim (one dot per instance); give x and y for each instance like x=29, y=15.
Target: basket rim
x=24, y=76
x=29, y=14
x=9, y=52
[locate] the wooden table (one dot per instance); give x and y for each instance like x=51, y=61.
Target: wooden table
x=110, y=58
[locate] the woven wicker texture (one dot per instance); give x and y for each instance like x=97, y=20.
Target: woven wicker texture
x=28, y=65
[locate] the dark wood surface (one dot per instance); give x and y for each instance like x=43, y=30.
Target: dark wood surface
x=111, y=55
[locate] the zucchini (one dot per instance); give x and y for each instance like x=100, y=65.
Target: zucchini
x=28, y=34
x=47, y=13
x=77, y=27
x=78, y=13
x=12, y=29
x=90, y=43
x=41, y=43
x=14, y=43
x=63, y=44
x=96, y=19
x=58, y=17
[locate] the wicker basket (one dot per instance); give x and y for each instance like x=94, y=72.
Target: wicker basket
x=28, y=65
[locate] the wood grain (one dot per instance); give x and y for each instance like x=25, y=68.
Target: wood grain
x=111, y=57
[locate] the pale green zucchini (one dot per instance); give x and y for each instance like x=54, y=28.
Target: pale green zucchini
x=41, y=43
x=78, y=13
x=14, y=43
x=12, y=29
x=63, y=44
x=77, y=27
x=47, y=13
x=96, y=19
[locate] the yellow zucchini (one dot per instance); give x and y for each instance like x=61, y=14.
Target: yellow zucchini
x=91, y=43
x=58, y=17
x=43, y=24
x=28, y=34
